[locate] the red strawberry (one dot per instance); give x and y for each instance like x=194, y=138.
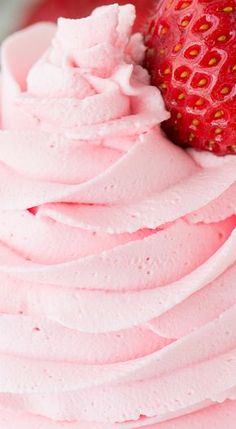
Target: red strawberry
x=192, y=59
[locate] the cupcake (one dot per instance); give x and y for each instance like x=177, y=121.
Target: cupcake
x=118, y=266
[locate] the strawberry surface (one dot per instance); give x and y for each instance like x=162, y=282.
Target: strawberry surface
x=192, y=59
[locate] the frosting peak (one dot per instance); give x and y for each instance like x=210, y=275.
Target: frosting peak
x=89, y=75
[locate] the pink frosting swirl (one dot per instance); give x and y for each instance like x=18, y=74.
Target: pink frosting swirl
x=118, y=263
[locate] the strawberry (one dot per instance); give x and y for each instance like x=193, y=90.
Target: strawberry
x=192, y=59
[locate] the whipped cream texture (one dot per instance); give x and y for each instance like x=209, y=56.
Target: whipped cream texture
x=118, y=249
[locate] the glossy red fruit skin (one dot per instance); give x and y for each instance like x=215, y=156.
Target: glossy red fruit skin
x=192, y=59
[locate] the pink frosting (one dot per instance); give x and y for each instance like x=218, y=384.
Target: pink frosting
x=118, y=262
